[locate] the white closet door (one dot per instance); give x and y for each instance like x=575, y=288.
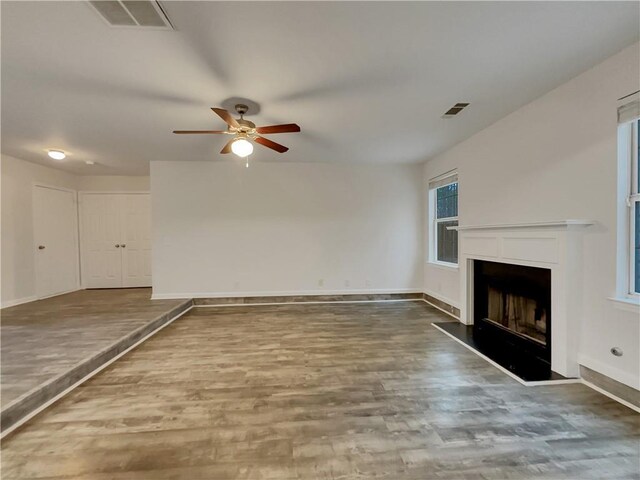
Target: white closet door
x=136, y=240
x=101, y=260
x=56, y=241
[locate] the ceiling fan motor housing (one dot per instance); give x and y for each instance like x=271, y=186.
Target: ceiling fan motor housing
x=245, y=124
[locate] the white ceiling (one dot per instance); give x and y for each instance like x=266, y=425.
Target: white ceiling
x=367, y=82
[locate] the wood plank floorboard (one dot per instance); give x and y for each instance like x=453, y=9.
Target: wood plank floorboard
x=333, y=391
x=46, y=338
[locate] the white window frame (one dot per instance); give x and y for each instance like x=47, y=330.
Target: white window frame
x=633, y=199
x=433, y=225
x=628, y=196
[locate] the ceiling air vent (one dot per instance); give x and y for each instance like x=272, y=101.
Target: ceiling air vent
x=455, y=110
x=132, y=13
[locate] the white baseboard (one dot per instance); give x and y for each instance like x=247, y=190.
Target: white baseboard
x=33, y=298
x=19, y=301
x=611, y=395
x=609, y=371
x=61, y=293
x=172, y=296
x=442, y=298
x=320, y=302
x=441, y=309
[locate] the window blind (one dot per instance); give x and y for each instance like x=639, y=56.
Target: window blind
x=444, y=179
x=629, y=109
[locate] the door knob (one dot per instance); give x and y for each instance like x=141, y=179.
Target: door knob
x=117, y=245
x=40, y=247
x=123, y=245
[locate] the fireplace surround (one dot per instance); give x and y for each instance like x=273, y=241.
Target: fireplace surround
x=555, y=246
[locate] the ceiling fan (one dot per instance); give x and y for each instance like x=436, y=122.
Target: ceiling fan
x=243, y=131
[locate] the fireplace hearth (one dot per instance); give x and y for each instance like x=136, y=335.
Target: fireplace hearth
x=512, y=318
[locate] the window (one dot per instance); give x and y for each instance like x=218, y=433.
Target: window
x=443, y=201
x=634, y=210
x=629, y=199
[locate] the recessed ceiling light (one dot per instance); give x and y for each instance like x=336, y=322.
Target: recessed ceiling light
x=57, y=154
x=89, y=162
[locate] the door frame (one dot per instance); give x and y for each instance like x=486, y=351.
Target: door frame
x=76, y=236
x=82, y=193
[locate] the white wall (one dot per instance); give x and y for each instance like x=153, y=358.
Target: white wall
x=16, y=234
x=555, y=159
x=281, y=228
x=114, y=183
x=18, y=261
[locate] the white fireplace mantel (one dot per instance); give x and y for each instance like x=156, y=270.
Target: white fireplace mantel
x=556, y=246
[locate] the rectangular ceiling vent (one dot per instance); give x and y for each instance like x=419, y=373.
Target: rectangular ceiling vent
x=133, y=13
x=455, y=110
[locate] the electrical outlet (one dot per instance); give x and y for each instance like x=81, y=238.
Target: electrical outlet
x=347, y=283
x=236, y=285
x=367, y=283
x=321, y=282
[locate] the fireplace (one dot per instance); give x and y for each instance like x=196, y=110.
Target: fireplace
x=555, y=247
x=512, y=315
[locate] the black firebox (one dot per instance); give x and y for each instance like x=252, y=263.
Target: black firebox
x=512, y=316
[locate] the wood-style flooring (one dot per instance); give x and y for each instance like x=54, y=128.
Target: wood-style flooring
x=43, y=339
x=325, y=391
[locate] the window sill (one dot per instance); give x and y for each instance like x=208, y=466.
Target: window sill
x=627, y=304
x=444, y=266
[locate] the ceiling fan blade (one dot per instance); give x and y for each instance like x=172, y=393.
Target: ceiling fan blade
x=227, y=147
x=286, y=128
x=272, y=145
x=199, y=131
x=226, y=116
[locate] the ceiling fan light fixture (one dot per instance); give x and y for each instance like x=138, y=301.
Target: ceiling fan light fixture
x=57, y=154
x=242, y=147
